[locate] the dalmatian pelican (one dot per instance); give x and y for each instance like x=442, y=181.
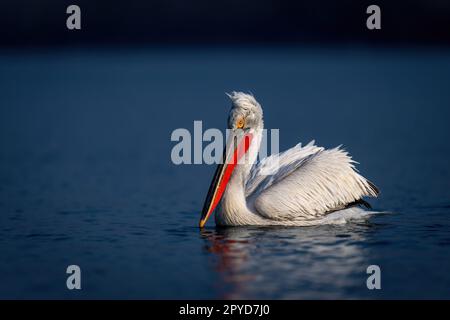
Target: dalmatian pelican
x=298, y=187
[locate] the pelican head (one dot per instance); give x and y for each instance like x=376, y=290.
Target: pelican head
x=246, y=113
x=245, y=122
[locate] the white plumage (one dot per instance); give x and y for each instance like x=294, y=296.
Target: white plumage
x=316, y=182
x=299, y=187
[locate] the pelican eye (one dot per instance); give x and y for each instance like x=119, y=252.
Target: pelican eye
x=240, y=123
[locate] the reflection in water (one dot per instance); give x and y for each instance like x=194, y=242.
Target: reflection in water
x=289, y=263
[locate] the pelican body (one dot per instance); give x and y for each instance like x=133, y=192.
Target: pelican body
x=297, y=187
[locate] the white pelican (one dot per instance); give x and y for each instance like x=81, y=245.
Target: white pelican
x=298, y=187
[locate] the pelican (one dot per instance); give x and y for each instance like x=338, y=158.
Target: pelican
x=298, y=187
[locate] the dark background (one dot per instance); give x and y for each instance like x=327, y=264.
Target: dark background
x=224, y=22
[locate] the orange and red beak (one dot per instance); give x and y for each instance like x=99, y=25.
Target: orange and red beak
x=237, y=145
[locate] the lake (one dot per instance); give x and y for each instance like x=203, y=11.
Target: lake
x=86, y=176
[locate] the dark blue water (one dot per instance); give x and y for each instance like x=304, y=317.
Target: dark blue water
x=86, y=176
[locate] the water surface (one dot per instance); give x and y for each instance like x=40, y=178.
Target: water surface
x=86, y=176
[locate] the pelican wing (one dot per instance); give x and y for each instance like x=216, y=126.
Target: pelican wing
x=306, y=183
x=275, y=167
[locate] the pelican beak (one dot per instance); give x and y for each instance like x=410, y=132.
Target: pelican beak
x=237, y=145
